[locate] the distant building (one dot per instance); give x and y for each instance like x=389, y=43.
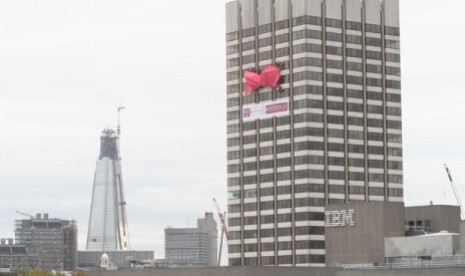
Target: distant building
x=118, y=259
x=192, y=246
x=108, y=228
x=13, y=257
x=51, y=242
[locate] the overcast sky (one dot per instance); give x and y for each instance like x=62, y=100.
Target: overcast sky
x=64, y=65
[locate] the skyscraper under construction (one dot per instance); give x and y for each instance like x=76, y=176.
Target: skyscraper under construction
x=108, y=229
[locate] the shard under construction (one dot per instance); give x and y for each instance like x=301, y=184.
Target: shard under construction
x=108, y=229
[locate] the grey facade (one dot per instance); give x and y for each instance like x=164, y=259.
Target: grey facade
x=192, y=246
x=339, y=142
x=51, y=242
x=432, y=218
x=462, y=236
x=108, y=228
x=359, y=239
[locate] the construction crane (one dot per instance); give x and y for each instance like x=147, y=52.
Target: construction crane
x=224, y=228
x=24, y=214
x=118, y=110
x=457, y=197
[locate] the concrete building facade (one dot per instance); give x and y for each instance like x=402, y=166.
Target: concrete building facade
x=192, y=246
x=432, y=218
x=355, y=232
x=330, y=134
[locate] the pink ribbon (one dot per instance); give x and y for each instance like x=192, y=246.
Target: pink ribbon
x=267, y=78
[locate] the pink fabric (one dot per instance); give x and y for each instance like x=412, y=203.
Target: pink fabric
x=252, y=82
x=268, y=78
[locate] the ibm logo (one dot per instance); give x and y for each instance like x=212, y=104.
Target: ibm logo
x=339, y=218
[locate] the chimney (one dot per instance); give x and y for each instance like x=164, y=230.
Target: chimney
x=45, y=216
x=2, y=241
x=10, y=241
x=38, y=216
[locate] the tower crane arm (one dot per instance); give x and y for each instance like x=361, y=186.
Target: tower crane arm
x=454, y=189
x=24, y=214
x=224, y=228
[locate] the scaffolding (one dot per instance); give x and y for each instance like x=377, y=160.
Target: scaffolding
x=51, y=243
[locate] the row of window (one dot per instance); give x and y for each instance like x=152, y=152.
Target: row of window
x=312, y=48
x=268, y=150
x=281, y=190
x=279, y=260
x=283, y=134
x=313, y=20
x=266, y=233
x=316, y=160
x=331, y=119
x=319, y=131
x=253, y=234
x=271, y=246
x=313, y=34
x=299, y=202
x=307, y=131
x=315, y=174
x=317, y=62
x=330, y=63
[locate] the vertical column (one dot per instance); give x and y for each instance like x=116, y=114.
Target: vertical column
x=365, y=100
x=281, y=27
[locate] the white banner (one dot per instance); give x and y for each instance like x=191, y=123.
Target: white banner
x=265, y=110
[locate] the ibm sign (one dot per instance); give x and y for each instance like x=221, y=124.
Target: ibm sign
x=339, y=218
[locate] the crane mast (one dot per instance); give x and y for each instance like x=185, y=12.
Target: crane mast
x=457, y=197
x=224, y=229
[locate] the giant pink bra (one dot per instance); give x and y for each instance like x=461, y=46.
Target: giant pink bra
x=269, y=77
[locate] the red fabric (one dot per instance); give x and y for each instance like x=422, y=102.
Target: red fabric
x=252, y=82
x=268, y=78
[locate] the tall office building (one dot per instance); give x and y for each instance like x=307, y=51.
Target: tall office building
x=51, y=243
x=108, y=229
x=330, y=134
x=192, y=246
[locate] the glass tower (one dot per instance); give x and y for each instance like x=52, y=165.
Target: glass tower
x=108, y=230
x=330, y=134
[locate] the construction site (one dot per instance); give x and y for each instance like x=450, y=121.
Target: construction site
x=41, y=242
